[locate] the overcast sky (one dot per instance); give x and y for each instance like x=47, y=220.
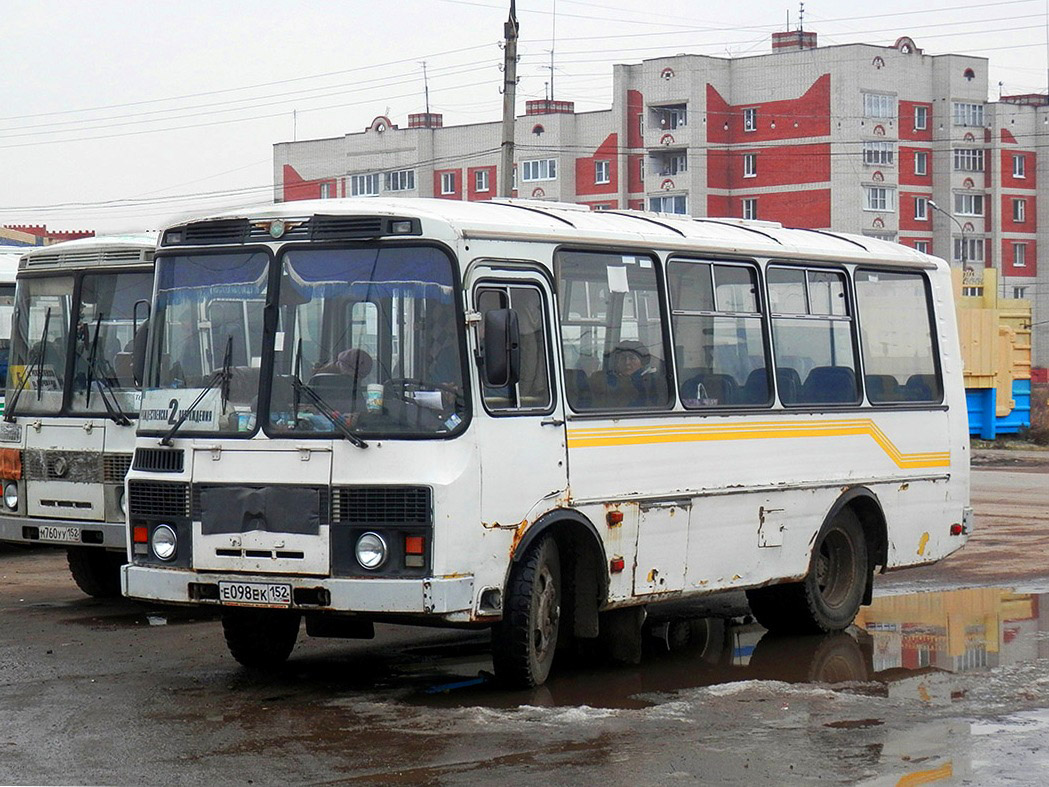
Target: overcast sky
x=123, y=115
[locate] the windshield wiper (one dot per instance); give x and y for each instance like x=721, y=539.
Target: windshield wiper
x=9, y=411
x=223, y=376
x=299, y=387
x=113, y=408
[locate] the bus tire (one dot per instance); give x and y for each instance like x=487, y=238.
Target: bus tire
x=260, y=639
x=525, y=640
x=830, y=596
x=96, y=571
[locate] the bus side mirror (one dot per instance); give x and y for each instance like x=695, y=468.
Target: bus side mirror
x=138, y=352
x=502, y=348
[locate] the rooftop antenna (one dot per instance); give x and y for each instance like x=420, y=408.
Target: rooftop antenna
x=294, y=125
x=553, y=46
x=801, y=18
x=426, y=91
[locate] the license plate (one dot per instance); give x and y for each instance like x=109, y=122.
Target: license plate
x=52, y=533
x=254, y=594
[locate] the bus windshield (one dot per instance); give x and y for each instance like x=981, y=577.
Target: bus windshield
x=36, y=377
x=367, y=340
x=113, y=306
x=207, y=319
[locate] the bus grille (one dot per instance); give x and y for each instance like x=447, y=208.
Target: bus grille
x=158, y=498
x=322, y=492
x=380, y=505
x=115, y=467
x=159, y=460
x=207, y=232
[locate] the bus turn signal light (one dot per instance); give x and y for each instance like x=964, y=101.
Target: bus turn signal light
x=140, y=534
x=614, y=518
x=957, y=529
x=414, y=549
x=616, y=565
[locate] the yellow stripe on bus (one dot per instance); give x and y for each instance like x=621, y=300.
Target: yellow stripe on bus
x=753, y=430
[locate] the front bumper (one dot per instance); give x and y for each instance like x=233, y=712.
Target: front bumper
x=33, y=530
x=431, y=596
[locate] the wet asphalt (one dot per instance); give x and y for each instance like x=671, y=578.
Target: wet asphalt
x=944, y=679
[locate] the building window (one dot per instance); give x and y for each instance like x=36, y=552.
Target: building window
x=401, y=180
x=750, y=119
x=879, y=105
x=921, y=208
x=1019, y=255
x=1019, y=167
x=968, y=160
x=539, y=169
x=750, y=165
x=921, y=163
x=880, y=198
x=886, y=236
x=481, y=180
x=601, y=172
x=880, y=153
x=1019, y=292
x=325, y=191
x=921, y=118
x=1019, y=210
x=968, y=204
x=968, y=114
x=973, y=248
x=364, y=185
x=672, y=204
x=750, y=208
x=641, y=124
x=447, y=182
x=922, y=246
x=641, y=171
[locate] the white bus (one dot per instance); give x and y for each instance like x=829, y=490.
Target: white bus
x=536, y=418
x=8, y=268
x=68, y=430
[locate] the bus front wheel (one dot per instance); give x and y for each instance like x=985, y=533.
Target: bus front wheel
x=830, y=596
x=524, y=641
x=260, y=639
x=96, y=571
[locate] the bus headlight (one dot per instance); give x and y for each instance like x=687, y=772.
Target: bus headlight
x=164, y=542
x=122, y=501
x=11, y=495
x=371, y=550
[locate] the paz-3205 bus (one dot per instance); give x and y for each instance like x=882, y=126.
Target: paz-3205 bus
x=536, y=418
x=72, y=400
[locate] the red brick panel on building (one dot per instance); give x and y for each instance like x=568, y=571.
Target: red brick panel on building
x=781, y=165
x=585, y=169
x=806, y=116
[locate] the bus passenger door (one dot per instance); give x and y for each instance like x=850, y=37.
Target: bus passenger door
x=519, y=426
x=662, y=545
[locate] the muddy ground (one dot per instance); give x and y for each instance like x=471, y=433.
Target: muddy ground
x=945, y=679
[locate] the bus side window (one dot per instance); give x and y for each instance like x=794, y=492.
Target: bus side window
x=719, y=338
x=532, y=391
x=812, y=336
x=899, y=356
x=612, y=331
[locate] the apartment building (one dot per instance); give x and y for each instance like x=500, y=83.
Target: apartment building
x=884, y=141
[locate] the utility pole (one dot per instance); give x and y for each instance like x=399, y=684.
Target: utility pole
x=506, y=168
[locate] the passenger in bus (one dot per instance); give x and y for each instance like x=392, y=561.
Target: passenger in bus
x=341, y=383
x=629, y=380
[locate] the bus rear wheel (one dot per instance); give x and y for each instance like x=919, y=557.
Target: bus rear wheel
x=525, y=640
x=830, y=596
x=260, y=639
x=96, y=571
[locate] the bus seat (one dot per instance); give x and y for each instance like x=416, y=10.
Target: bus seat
x=921, y=388
x=722, y=388
x=789, y=383
x=756, y=389
x=882, y=388
x=830, y=385
x=124, y=368
x=577, y=388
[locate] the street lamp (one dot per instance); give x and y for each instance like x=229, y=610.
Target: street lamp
x=961, y=227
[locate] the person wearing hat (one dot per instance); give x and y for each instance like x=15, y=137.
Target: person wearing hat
x=628, y=381
x=356, y=363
